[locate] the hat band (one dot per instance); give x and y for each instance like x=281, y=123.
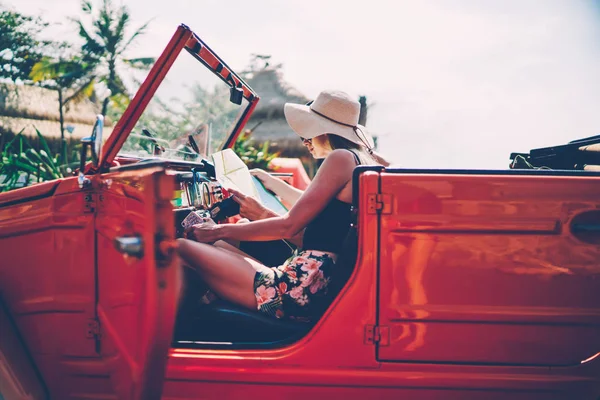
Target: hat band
x=354, y=127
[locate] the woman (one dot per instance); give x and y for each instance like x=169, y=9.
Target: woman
x=329, y=129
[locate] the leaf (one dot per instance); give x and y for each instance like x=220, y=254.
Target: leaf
x=123, y=21
x=91, y=45
x=33, y=156
x=25, y=167
x=140, y=31
x=85, y=91
x=45, y=146
x=86, y=6
x=142, y=63
x=49, y=165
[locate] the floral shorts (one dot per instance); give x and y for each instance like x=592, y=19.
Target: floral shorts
x=298, y=288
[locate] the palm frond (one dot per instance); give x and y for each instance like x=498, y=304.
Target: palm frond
x=86, y=6
x=85, y=91
x=103, y=24
x=48, y=69
x=122, y=23
x=140, y=31
x=117, y=86
x=143, y=63
x=91, y=45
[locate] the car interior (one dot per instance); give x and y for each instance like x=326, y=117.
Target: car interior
x=221, y=324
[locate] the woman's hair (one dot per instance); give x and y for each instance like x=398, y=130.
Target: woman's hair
x=338, y=142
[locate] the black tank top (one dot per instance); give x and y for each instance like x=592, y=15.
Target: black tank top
x=329, y=228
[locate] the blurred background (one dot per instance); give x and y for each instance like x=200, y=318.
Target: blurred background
x=446, y=83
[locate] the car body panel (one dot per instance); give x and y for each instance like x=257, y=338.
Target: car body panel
x=19, y=378
x=336, y=358
x=489, y=260
x=137, y=292
x=47, y=272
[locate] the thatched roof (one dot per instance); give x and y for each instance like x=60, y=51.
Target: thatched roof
x=26, y=107
x=274, y=92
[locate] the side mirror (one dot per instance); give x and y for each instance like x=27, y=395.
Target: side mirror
x=95, y=144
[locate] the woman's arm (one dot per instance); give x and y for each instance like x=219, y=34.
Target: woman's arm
x=332, y=176
x=253, y=210
x=287, y=193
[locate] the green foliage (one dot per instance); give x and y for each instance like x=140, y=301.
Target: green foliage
x=20, y=48
x=65, y=73
x=252, y=156
x=22, y=164
x=70, y=75
x=106, y=43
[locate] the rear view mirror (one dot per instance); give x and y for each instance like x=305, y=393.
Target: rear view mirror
x=236, y=95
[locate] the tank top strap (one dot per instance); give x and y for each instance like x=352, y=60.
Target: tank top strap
x=356, y=158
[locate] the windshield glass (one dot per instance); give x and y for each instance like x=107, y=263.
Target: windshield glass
x=190, y=101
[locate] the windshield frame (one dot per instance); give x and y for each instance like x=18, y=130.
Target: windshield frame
x=184, y=38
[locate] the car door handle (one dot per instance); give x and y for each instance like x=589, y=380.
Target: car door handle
x=586, y=226
x=131, y=245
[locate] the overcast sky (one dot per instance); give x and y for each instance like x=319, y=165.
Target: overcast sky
x=453, y=83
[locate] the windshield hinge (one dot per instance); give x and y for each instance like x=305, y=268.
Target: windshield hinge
x=89, y=202
x=93, y=329
x=377, y=335
x=379, y=203
x=92, y=202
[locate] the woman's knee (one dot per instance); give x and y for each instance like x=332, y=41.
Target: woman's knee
x=186, y=248
x=182, y=245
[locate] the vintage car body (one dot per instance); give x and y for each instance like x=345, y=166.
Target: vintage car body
x=468, y=284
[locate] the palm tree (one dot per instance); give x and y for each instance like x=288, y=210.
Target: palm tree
x=69, y=76
x=105, y=46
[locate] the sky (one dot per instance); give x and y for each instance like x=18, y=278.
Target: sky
x=451, y=83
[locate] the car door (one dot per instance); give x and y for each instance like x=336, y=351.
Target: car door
x=138, y=278
x=495, y=268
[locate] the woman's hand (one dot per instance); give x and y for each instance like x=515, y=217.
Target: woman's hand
x=206, y=232
x=264, y=177
x=250, y=208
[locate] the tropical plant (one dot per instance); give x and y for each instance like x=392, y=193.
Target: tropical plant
x=21, y=164
x=252, y=156
x=69, y=75
x=106, y=44
x=20, y=47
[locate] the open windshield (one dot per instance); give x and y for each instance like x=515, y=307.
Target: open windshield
x=191, y=102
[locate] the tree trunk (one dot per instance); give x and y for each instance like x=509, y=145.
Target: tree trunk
x=61, y=116
x=105, y=105
x=112, y=73
x=362, y=117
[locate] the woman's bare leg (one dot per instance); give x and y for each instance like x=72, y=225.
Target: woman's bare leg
x=230, y=276
x=231, y=248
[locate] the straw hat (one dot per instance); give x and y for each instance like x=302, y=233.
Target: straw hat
x=332, y=112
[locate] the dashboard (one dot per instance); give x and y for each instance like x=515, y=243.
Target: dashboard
x=197, y=189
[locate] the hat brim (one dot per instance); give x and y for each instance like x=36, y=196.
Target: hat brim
x=308, y=124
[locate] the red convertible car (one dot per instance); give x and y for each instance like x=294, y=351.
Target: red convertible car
x=467, y=284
